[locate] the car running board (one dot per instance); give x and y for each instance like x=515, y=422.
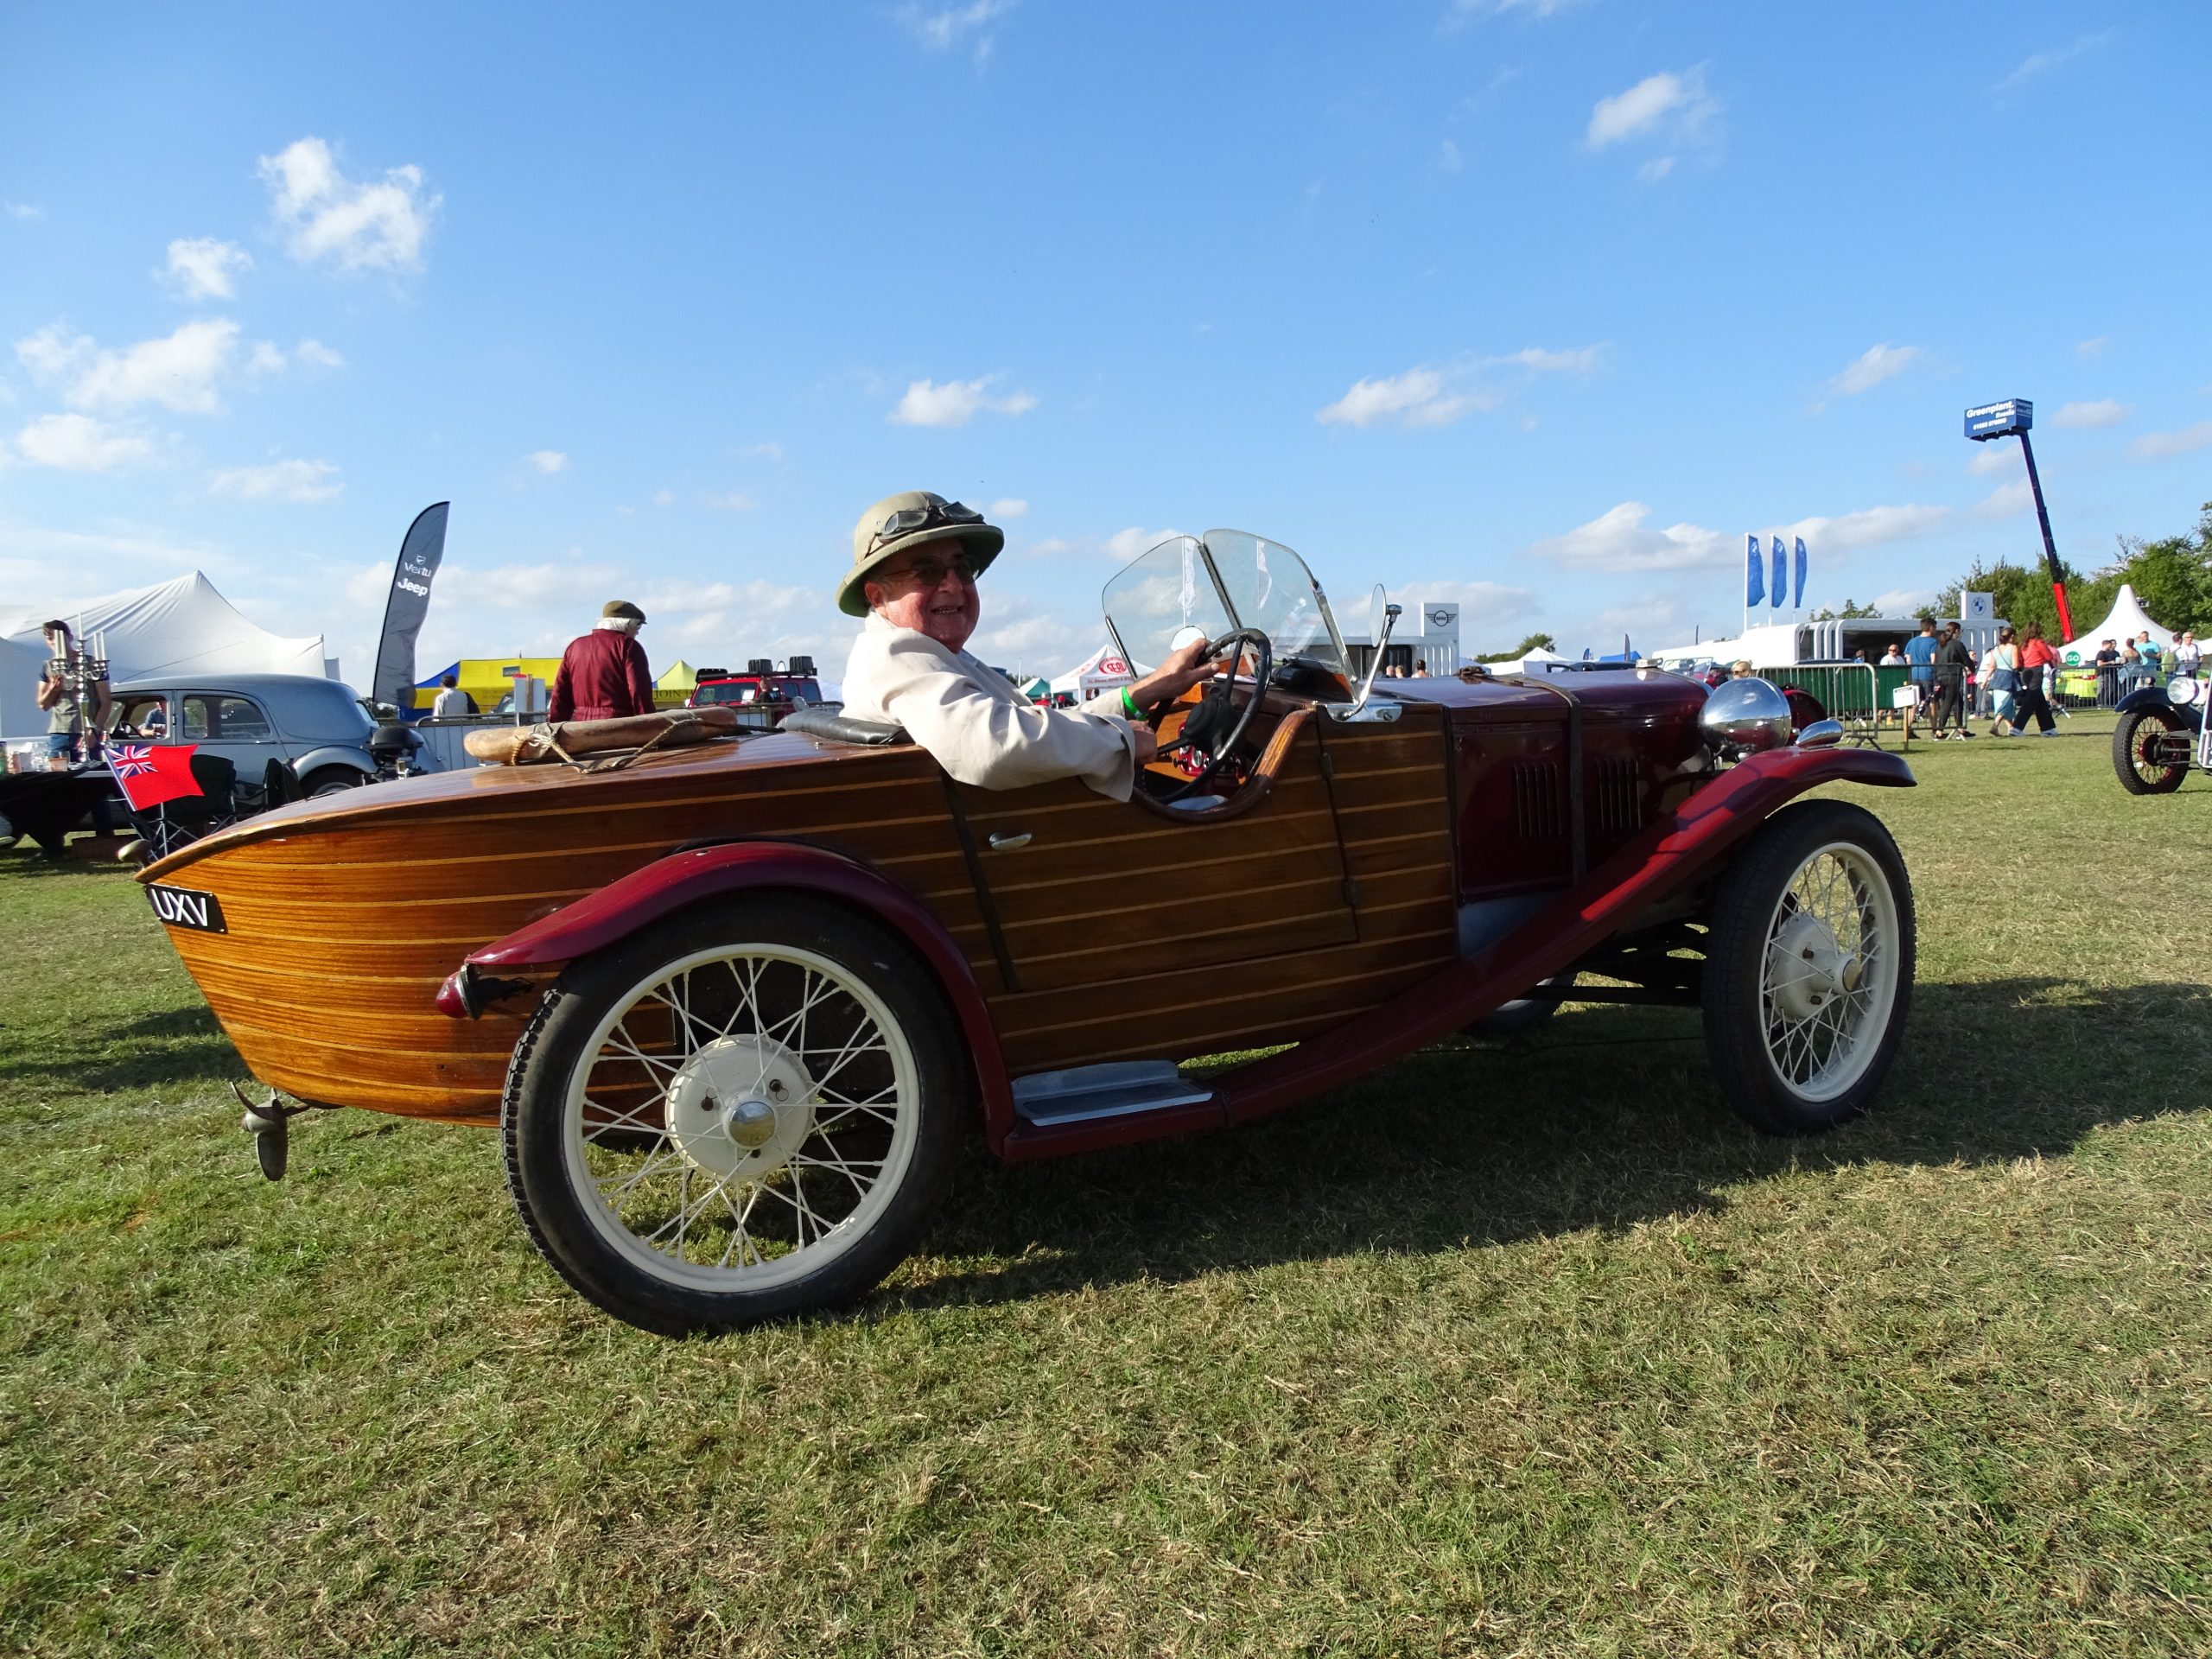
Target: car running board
x=1118, y=1089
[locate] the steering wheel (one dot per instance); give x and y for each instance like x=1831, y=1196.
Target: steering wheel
x=1233, y=646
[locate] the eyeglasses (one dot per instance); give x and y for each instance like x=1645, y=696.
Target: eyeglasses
x=931, y=572
x=909, y=519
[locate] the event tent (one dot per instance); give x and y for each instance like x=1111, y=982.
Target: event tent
x=1538, y=661
x=1101, y=670
x=679, y=675
x=177, y=628
x=2129, y=619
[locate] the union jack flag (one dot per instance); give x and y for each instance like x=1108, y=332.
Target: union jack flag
x=131, y=759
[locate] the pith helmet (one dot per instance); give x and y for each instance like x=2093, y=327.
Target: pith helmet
x=904, y=520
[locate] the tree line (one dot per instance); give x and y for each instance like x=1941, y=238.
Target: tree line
x=2172, y=576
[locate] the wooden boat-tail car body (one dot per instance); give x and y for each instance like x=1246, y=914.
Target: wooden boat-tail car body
x=592, y=958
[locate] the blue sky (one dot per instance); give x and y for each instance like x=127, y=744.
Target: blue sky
x=1538, y=304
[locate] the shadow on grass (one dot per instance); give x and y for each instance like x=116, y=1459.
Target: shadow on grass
x=167, y=1052
x=1607, y=1118
x=27, y=860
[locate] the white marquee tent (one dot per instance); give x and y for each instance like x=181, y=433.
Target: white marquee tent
x=180, y=627
x=1102, y=671
x=2128, y=621
x=1538, y=661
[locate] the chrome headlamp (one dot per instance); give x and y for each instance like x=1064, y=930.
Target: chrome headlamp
x=1743, y=717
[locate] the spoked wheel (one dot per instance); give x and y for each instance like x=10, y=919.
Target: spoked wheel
x=743, y=1112
x=2149, y=752
x=1808, y=971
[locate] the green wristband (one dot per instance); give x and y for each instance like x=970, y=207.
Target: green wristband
x=1129, y=705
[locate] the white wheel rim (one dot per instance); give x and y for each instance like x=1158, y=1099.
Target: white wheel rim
x=1830, y=971
x=747, y=1194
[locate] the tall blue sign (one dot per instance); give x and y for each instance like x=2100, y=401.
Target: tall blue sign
x=1754, y=572
x=1801, y=573
x=1780, y=584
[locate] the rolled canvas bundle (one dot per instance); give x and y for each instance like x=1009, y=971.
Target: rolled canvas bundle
x=524, y=746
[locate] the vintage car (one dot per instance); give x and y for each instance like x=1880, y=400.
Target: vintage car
x=735, y=1008
x=2160, y=734
x=317, y=727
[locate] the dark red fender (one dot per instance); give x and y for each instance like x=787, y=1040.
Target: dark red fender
x=668, y=885
x=1668, y=856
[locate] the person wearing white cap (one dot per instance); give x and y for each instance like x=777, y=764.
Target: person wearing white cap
x=916, y=557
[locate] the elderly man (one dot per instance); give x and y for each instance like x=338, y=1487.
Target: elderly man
x=603, y=674
x=916, y=557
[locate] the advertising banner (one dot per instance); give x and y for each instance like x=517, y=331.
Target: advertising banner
x=419, y=554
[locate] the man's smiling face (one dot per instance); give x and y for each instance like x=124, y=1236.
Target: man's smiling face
x=930, y=589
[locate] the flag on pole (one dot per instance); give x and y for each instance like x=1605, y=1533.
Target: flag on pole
x=1754, y=572
x=150, y=774
x=1781, y=582
x=1801, y=573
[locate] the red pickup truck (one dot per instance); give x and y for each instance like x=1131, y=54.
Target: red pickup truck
x=761, y=700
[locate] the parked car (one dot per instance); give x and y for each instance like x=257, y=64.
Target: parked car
x=735, y=1007
x=2160, y=734
x=318, y=727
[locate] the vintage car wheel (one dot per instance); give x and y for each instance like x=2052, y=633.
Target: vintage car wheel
x=746, y=1111
x=1808, y=967
x=2141, y=734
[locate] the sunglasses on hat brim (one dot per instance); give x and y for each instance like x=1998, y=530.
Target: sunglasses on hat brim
x=907, y=520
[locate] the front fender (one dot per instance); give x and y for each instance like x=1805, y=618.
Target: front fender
x=334, y=754
x=2154, y=697
x=1669, y=855
x=668, y=885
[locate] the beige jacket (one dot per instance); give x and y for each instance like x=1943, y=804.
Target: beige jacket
x=970, y=718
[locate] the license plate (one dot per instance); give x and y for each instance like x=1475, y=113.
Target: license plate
x=182, y=907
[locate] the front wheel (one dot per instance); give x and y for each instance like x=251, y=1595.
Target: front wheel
x=1808, y=967
x=2149, y=753
x=741, y=1113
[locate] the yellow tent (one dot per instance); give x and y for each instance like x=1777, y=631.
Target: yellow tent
x=680, y=677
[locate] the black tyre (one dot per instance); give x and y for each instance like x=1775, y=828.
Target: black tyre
x=331, y=780
x=2142, y=745
x=744, y=1112
x=1808, y=967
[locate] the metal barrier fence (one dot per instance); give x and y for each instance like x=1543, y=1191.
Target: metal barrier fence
x=1857, y=693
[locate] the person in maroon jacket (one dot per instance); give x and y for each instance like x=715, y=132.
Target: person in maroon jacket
x=603, y=674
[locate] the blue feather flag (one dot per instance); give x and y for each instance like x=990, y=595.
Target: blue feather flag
x=1801, y=573
x=1780, y=596
x=1754, y=572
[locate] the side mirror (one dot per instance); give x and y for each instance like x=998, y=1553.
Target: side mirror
x=1382, y=617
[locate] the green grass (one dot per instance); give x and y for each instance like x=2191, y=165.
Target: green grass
x=1510, y=1349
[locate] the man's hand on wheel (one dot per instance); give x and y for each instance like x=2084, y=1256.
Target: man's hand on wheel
x=1185, y=667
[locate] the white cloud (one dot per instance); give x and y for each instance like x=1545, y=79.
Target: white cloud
x=1874, y=365
x=1448, y=157
x=2005, y=500
x=1465, y=11
x=1485, y=608
x=1418, y=397
x=179, y=371
x=201, y=268
x=2042, y=63
x=664, y=498
x=77, y=443
x=735, y=501
x=22, y=210
x=1618, y=540
x=548, y=461
x=2163, y=446
x=278, y=480
x=956, y=402
x=316, y=354
x=1580, y=360
x=2103, y=412
x=943, y=27
x=1904, y=601
x=352, y=224
x=1675, y=106
x=264, y=358
x=770, y=450
x=1656, y=169
x=1006, y=506
x=2089, y=348
x=1124, y=545
x=1991, y=456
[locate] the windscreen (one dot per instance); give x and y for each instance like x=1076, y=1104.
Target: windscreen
x=1231, y=580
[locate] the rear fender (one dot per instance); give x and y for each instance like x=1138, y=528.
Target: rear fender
x=670, y=884
x=1672, y=854
x=335, y=754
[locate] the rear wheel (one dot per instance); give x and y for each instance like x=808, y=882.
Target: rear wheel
x=331, y=780
x=2149, y=752
x=742, y=1113
x=1808, y=967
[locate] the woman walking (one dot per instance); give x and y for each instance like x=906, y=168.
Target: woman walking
x=2001, y=676
x=2038, y=663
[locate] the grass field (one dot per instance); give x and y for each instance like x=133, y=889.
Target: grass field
x=1511, y=1349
